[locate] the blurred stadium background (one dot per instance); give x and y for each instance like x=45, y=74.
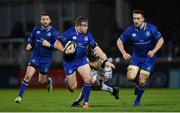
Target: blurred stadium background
x=107, y=20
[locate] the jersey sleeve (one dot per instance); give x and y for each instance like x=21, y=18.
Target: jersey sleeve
x=32, y=36
x=125, y=35
x=92, y=42
x=55, y=37
x=156, y=34
x=65, y=37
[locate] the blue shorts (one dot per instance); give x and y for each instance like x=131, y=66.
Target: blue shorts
x=41, y=63
x=71, y=67
x=145, y=63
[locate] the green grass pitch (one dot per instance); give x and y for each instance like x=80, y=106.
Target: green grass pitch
x=59, y=100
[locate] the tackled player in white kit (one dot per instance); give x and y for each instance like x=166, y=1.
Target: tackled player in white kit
x=99, y=73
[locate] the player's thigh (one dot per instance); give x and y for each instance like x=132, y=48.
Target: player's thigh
x=72, y=81
x=84, y=72
x=132, y=72
x=30, y=71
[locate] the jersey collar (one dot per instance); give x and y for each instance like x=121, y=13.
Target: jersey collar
x=143, y=27
x=47, y=28
x=76, y=31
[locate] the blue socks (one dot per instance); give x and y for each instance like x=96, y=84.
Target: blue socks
x=140, y=91
x=86, y=91
x=23, y=87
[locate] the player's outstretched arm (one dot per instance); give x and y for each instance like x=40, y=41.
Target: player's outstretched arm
x=120, y=45
x=159, y=44
x=100, y=53
x=103, y=56
x=57, y=45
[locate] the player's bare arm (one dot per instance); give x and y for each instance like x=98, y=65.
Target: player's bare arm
x=120, y=45
x=103, y=56
x=96, y=64
x=46, y=43
x=159, y=44
x=57, y=45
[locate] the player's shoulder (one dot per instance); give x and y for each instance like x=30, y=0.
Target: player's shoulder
x=71, y=30
x=130, y=28
x=37, y=27
x=53, y=29
x=150, y=26
x=89, y=34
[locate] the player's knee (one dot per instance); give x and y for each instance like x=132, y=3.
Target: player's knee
x=87, y=80
x=42, y=81
x=131, y=77
x=28, y=77
x=142, y=82
x=73, y=86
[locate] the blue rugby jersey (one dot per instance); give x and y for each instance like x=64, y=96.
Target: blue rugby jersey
x=143, y=39
x=82, y=41
x=39, y=34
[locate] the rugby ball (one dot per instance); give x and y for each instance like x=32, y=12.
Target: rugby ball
x=70, y=47
x=69, y=51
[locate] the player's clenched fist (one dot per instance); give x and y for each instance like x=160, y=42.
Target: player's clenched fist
x=126, y=56
x=28, y=47
x=46, y=43
x=151, y=53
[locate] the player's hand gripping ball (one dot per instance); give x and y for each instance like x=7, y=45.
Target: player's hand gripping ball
x=70, y=47
x=69, y=51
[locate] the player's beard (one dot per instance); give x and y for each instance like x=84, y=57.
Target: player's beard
x=46, y=25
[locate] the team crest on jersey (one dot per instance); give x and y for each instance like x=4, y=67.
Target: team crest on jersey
x=48, y=34
x=147, y=33
x=134, y=35
x=38, y=32
x=86, y=38
x=74, y=37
